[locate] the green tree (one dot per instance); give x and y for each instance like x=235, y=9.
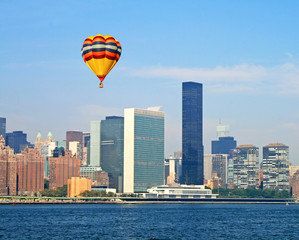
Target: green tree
x=60, y=192
x=250, y=193
x=283, y=194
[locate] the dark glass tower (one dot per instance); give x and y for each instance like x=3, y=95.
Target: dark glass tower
x=192, y=163
x=112, y=150
x=224, y=145
x=3, y=127
x=17, y=140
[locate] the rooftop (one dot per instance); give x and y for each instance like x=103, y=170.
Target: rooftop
x=246, y=146
x=276, y=145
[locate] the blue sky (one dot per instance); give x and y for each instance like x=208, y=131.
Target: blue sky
x=244, y=52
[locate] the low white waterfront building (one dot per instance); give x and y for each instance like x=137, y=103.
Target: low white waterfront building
x=103, y=189
x=179, y=191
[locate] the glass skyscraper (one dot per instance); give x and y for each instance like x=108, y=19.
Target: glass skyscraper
x=95, y=143
x=3, y=127
x=193, y=161
x=17, y=140
x=143, y=149
x=224, y=145
x=112, y=150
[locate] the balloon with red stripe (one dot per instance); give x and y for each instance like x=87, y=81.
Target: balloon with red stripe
x=101, y=53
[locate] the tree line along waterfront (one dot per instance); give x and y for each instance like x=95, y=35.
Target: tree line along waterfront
x=223, y=193
x=251, y=193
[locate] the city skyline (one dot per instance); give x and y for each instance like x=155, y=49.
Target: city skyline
x=245, y=54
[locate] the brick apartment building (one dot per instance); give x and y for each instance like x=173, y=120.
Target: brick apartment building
x=294, y=184
x=30, y=171
x=8, y=170
x=63, y=168
x=21, y=173
x=73, y=136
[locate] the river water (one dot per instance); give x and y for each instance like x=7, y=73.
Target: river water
x=149, y=221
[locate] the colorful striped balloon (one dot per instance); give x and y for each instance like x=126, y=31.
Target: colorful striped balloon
x=101, y=53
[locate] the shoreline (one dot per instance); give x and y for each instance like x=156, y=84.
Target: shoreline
x=24, y=200
x=65, y=203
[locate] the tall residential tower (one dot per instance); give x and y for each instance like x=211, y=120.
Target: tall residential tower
x=246, y=166
x=276, y=166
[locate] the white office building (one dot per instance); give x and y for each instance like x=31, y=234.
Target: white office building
x=179, y=191
x=95, y=143
x=143, y=149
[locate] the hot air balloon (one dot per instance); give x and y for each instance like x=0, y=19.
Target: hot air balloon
x=101, y=53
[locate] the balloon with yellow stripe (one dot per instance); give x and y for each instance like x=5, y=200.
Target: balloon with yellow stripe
x=101, y=53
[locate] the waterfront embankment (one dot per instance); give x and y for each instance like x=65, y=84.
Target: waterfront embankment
x=135, y=200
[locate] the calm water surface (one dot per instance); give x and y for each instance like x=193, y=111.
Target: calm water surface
x=150, y=221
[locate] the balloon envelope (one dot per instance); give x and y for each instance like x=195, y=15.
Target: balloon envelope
x=101, y=53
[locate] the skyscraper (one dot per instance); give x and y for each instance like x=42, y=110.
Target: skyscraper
x=3, y=127
x=8, y=170
x=20, y=173
x=17, y=140
x=219, y=166
x=222, y=130
x=224, y=143
x=76, y=149
x=112, y=150
x=86, y=148
x=294, y=184
x=246, y=166
x=216, y=164
x=276, y=167
x=30, y=171
x=143, y=149
x=173, y=168
x=62, y=168
x=86, y=138
x=95, y=143
x=193, y=161
x=73, y=136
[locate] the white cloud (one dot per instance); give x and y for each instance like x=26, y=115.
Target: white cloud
x=217, y=74
x=281, y=79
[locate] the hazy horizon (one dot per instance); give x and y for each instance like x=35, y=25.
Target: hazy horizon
x=245, y=54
